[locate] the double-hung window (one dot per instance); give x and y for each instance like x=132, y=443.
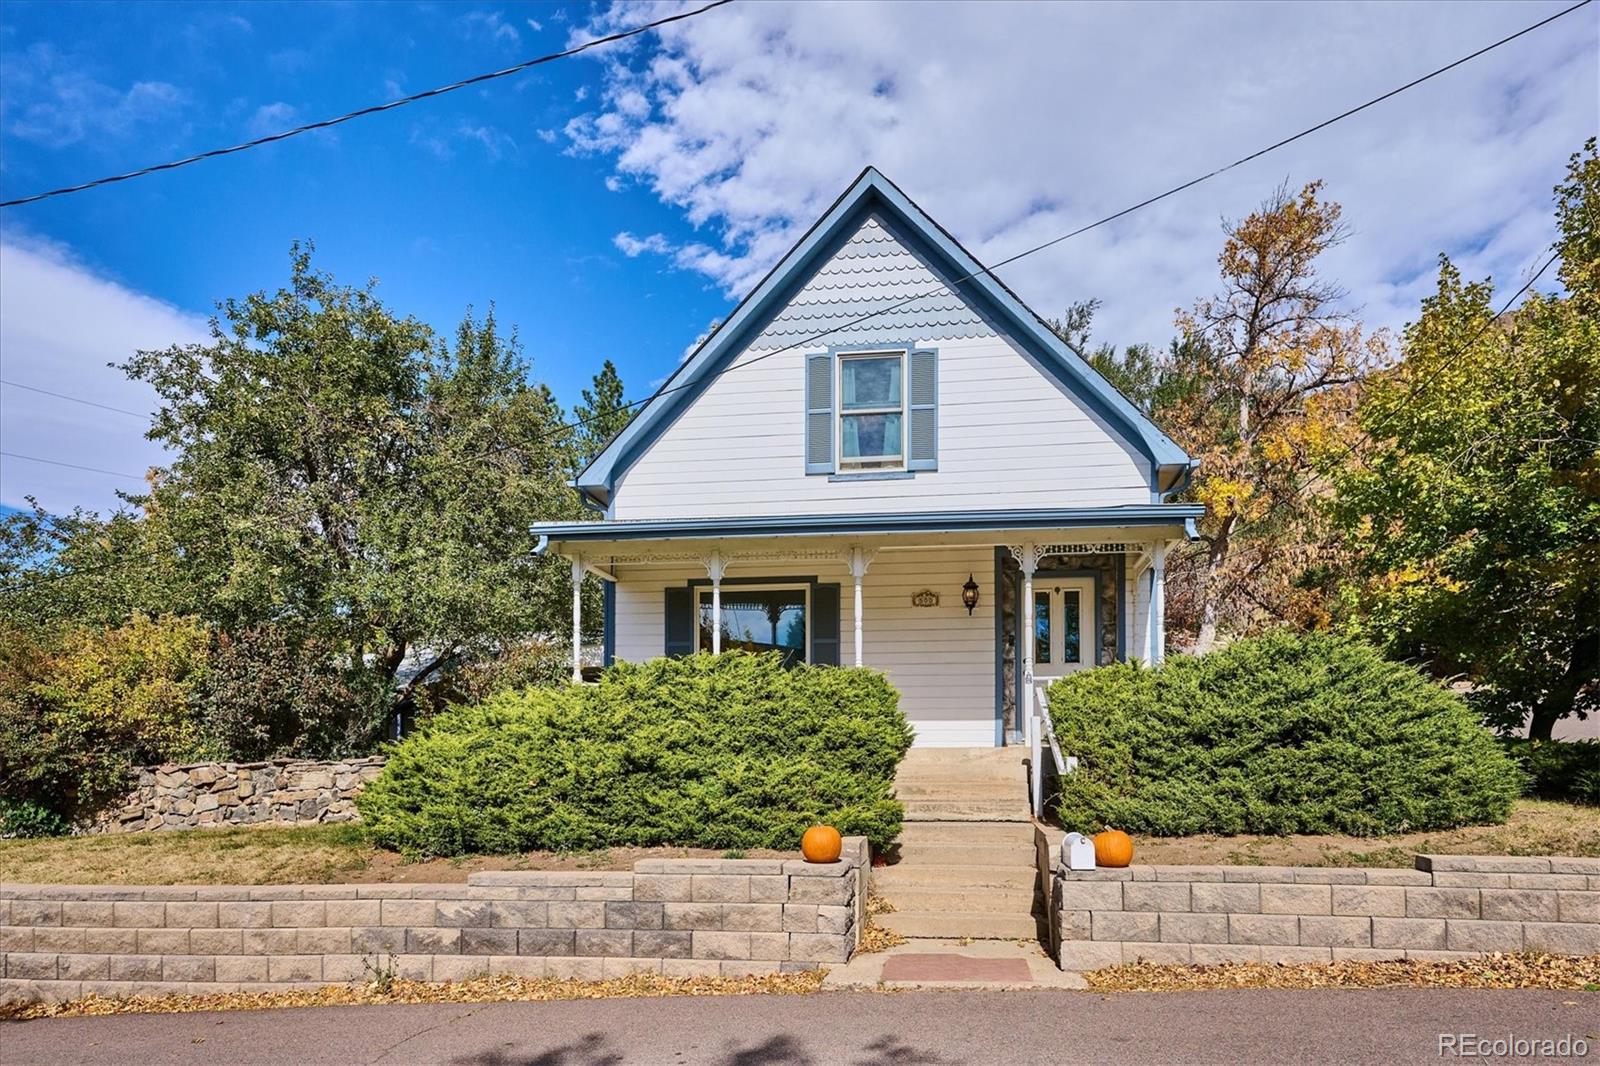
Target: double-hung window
x=872, y=420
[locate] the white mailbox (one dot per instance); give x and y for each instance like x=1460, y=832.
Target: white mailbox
x=1077, y=851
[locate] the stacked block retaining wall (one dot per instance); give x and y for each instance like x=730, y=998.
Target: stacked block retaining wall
x=1450, y=906
x=678, y=917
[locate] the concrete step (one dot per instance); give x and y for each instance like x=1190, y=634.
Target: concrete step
x=1009, y=756
x=979, y=925
x=903, y=876
x=948, y=810
x=922, y=786
x=938, y=833
x=950, y=900
x=964, y=856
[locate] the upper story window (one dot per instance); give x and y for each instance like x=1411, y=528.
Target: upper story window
x=872, y=418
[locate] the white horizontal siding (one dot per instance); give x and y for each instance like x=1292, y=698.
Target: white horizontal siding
x=1009, y=437
x=939, y=659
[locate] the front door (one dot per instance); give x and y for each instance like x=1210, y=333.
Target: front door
x=1063, y=625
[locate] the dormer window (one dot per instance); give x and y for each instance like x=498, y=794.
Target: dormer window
x=872, y=411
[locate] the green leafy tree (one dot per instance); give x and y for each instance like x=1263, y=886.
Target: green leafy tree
x=602, y=414
x=1476, y=510
x=345, y=476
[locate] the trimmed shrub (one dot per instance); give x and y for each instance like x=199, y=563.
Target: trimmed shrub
x=1284, y=733
x=729, y=751
x=1559, y=769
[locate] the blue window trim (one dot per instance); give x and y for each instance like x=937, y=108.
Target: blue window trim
x=873, y=194
x=875, y=475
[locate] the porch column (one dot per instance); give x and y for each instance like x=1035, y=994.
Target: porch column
x=1158, y=603
x=577, y=618
x=1029, y=562
x=858, y=561
x=715, y=569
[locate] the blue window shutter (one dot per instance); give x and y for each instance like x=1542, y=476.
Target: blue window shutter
x=825, y=624
x=609, y=616
x=819, y=414
x=923, y=439
x=680, y=621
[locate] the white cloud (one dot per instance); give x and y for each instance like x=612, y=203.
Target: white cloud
x=271, y=118
x=441, y=143
x=50, y=99
x=633, y=247
x=1014, y=123
x=60, y=324
x=535, y=25
x=613, y=183
x=490, y=25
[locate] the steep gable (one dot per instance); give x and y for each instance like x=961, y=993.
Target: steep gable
x=876, y=271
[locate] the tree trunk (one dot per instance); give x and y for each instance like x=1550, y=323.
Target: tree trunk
x=1582, y=669
x=1210, y=594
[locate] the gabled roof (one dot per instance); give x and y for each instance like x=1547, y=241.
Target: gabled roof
x=872, y=193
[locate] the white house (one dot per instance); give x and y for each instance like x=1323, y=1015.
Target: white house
x=884, y=458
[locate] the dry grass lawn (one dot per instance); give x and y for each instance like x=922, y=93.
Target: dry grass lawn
x=318, y=854
x=1536, y=827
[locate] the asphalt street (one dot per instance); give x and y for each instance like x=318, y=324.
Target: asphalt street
x=857, y=1028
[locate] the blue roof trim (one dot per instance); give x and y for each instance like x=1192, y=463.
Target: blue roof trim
x=915, y=522
x=909, y=223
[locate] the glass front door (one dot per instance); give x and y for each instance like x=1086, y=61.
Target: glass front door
x=1063, y=626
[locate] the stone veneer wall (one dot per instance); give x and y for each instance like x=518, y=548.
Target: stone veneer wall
x=204, y=795
x=1450, y=906
x=678, y=917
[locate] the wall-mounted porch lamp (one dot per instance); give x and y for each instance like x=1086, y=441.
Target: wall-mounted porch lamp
x=969, y=594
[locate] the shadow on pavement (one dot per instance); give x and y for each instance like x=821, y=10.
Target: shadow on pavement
x=782, y=1050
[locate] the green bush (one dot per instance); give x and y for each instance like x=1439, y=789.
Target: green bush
x=81, y=707
x=1279, y=734
x=729, y=751
x=1559, y=769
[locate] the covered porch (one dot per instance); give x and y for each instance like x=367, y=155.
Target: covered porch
x=943, y=604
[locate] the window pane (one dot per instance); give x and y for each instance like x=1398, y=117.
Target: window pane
x=870, y=382
x=1041, y=627
x=1069, y=628
x=759, y=620
x=870, y=437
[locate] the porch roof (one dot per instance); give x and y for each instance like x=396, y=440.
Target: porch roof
x=1130, y=515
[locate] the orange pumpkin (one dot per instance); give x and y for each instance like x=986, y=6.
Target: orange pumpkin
x=1113, y=847
x=821, y=844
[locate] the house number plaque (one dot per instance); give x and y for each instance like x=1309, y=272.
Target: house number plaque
x=925, y=598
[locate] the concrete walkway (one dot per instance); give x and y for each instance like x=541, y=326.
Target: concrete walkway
x=855, y=1028
x=992, y=964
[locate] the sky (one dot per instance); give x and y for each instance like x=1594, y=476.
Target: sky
x=616, y=204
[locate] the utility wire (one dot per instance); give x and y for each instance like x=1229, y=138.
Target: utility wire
x=75, y=399
x=668, y=388
x=73, y=466
x=373, y=110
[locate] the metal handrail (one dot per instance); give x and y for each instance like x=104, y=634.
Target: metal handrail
x=1042, y=731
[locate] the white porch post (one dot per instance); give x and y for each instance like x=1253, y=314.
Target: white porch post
x=577, y=618
x=715, y=569
x=858, y=561
x=1029, y=562
x=1158, y=603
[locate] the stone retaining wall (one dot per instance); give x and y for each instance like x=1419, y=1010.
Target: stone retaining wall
x=678, y=917
x=203, y=795
x=1450, y=906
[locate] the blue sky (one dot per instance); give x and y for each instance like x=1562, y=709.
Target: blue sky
x=612, y=206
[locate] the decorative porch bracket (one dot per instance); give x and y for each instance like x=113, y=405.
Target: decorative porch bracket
x=858, y=559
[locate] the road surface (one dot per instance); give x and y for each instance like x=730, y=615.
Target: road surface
x=857, y=1028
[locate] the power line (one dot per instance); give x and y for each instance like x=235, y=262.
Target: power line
x=372, y=110
x=72, y=466
x=668, y=388
x=75, y=399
